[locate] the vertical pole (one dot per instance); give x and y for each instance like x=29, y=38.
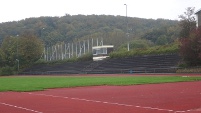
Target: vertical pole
x=127, y=27
x=65, y=51
x=84, y=46
x=88, y=45
x=72, y=49
x=92, y=43
x=56, y=51
x=52, y=52
x=61, y=52
x=97, y=41
x=18, y=61
x=62, y=56
x=80, y=53
x=76, y=50
x=44, y=54
x=102, y=41
x=47, y=54
x=69, y=50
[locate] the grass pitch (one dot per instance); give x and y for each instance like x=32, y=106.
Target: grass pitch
x=36, y=83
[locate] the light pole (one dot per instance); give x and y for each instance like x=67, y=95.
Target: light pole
x=18, y=61
x=127, y=27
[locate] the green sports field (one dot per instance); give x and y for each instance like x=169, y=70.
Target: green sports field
x=36, y=83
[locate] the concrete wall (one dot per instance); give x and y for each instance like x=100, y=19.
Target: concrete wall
x=198, y=18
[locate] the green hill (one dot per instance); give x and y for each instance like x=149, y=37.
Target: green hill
x=112, y=29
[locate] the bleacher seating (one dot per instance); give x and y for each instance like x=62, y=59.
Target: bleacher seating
x=136, y=64
x=140, y=64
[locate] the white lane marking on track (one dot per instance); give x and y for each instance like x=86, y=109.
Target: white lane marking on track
x=20, y=107
x=185, y=111
x=152, y=108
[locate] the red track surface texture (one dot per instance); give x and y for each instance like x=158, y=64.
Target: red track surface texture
x=182, y=97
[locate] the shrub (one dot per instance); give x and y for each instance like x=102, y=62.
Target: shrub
x=189, y=70
x=86, y=57
x=165, y=49
x=7, y=71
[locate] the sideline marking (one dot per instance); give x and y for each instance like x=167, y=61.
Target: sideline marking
x=96, y=101
x=20, y=107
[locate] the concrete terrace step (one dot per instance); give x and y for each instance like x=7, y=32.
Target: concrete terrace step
x=140, y=64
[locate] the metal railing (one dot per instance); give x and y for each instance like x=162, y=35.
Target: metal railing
x=105, y=71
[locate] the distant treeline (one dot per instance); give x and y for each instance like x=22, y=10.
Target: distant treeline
x=112, y=29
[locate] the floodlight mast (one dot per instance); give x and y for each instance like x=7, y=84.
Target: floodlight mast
x=127, y=27
x=18, y=61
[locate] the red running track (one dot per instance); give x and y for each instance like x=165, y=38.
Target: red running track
x=184, y=97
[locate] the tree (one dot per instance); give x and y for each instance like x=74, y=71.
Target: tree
x=1, y=58
x=161, y=35
x=30, y=49
x=162, y=40
x=190, y=48
x=187, y=22
x=9, y=51
x=190, y=39
x=26, y=48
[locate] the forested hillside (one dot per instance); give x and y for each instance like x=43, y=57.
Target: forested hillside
x=112, y=29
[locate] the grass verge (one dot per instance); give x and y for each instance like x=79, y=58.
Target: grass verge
x=33, y=83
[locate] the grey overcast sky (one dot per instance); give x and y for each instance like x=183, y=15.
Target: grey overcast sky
x=14, y=10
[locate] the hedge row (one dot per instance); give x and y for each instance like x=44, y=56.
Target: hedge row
x=167, y=49
x=189, y=70
x=7, y=71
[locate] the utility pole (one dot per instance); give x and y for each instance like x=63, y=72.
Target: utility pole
x=127, y=28
x=18, y=61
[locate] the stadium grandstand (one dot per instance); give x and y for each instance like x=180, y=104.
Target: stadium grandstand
x=165, y=63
